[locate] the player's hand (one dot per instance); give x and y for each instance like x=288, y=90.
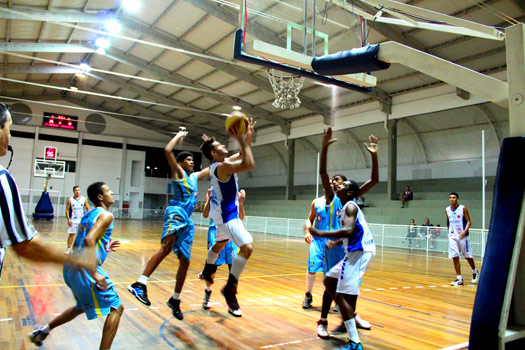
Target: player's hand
x=182, y=132
x=314, y=231
x=330, y=244
x=113, y=245
x=69, y=222
x=242, y=196
x=327, y=137
x=462, y=235
x=250, y=129
x=86, y=259
x=308, y=237
x=372, y=146
x=101, y=282
x=236, y=135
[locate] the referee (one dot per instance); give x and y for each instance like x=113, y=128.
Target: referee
x=14, y=230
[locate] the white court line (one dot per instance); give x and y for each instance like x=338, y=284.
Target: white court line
x=420, y=287
x=250, y=301
x=367, y=290
x=132, y=309
x=457, y=346
x=297, y=296
x=5, y=319
x=288, y=343
x=380, y=288
x=431, y=286
x=283, y=298
x=187, y=291
x=393, y=287
x=406, y=287
x=155, y=307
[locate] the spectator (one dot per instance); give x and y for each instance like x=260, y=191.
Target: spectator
x=424, y=231
x=412, y=232
x=434, y=233
x=360, y=201
x=407, y=195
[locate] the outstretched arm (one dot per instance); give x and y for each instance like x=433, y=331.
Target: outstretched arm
x=176, y=170
x=372, y=147
x=246, y=163
x=348, y=225
x=325, y=179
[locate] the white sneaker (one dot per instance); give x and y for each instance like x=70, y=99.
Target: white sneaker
x=475, y=277
x=456, y=283
x=37, y=337
x=322, y=329
x=363, y=324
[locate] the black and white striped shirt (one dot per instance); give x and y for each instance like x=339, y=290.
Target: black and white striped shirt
x=13, y=225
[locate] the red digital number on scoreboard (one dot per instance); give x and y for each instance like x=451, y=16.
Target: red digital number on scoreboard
x=51, y=153
x=60, y=121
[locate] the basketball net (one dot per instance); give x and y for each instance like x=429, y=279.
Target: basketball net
x=286, y=88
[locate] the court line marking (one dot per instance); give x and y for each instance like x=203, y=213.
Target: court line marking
x=30, y=308
x=5, y=319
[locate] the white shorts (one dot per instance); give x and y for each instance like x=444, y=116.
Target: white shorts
x=73, y=229
x=457, y=247
x=350, y=270
x=234, y=231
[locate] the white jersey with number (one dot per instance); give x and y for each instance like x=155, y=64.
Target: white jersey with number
x=77, y=209
x=361, y=238
x=456, y=220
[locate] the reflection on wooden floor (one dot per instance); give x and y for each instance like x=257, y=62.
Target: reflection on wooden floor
x=406, y=297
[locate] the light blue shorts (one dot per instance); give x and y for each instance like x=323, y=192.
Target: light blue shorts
x=178, y=223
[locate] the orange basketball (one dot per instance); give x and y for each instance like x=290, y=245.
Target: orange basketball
x=237, y=120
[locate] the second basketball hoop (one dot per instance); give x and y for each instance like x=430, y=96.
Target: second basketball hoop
x=286, y=88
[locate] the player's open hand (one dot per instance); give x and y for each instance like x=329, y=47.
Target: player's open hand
x=372, y=146
x=101, y=282
x=327, y=137
x=250, y=129
x=242, y=196
x=330, y=244
x=113, y=245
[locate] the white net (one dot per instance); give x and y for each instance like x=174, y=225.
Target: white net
x=286, y=88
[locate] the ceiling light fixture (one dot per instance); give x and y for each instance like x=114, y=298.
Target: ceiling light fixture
x=113, y=26
x=131, y=5
x=100, y=51
x=102, y=43
x=237, y=108
x=74, y=88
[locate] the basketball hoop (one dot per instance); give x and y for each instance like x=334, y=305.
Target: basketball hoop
x=286, y=88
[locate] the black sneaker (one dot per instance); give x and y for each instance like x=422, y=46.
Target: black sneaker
x=37, y=337
x=206, y=300
x=140, y=291
x=307, y=302
x=229, y=294
x=174, y=305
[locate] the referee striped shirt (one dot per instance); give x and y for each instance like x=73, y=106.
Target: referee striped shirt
x=13, y=227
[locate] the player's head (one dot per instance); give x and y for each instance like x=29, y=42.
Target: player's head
x=453, y=198
x=427, y=221
x=185, y=160
x=214, y=150
x=336, y=180
x=348, y=190
x=5, y=124
x=76, y=191
x=100, y=194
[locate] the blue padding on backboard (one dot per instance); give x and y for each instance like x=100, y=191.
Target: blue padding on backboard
x=360, y=60
x=506, y=207
x=239, y=55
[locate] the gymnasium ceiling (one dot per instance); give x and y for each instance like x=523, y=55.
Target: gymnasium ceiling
x=206, y=28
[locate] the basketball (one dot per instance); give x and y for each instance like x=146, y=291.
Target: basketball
x=237, y=120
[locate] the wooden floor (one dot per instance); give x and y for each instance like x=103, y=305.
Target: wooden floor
x=406, y=297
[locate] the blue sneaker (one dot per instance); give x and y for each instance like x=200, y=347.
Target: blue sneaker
x=140, y=291
x=351, y=346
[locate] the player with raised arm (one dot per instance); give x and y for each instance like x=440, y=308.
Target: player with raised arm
x=178, y=230
x=224, y=210
x=93, y=290
x=74, y=212
x=342, y=281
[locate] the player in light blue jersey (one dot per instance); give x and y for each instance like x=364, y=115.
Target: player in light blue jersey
x=224, y=210
x=93, y=290
x=178, y=229
x=342, y=281
x=333, y=251
x=227, y=253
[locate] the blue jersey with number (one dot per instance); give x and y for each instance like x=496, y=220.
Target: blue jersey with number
x=185, y=192
x=327, y=217
x=102, y=244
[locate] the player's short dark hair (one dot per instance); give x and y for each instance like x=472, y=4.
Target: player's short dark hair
x=354, y=187
x=76, y=186
x=3, y=114
x=341, y=176
x=94, y=190
x=183, y=155
x=207, y=147
x=454, y=194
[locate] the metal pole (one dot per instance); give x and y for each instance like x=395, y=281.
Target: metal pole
x=483, y=178
x=313, y=28
x=317, y=178
x=241, y=15
x=305, y=26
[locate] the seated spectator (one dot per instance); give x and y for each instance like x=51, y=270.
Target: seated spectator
x=412, y=232
x=424, y=232
x=407, y=195
x=434, y=233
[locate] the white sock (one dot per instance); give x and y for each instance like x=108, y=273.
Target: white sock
x=237, y=266
x=208, y=289
x=176, y=296
x=310, y=280
x=459, y=277
x=143, y=279
x=46, y=329
x=475, y=271
x=352, y=330
x=212, y=257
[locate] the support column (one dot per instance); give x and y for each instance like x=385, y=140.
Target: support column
x=122, y=179
x=515, y=39
x=79, y=158
x=291, y=170
x=392, y=160
x=32, y=173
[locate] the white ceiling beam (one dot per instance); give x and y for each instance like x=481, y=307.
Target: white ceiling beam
x=68, y=16
x=467, y=79
x=419, y=141
x=353, y=139
x=39, y=70
x=486, y=112
x=44, y=47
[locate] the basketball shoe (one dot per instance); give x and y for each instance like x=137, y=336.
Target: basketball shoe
x=229, y=293
x=206, y=299
x=140, y=291
x=475, y=276
x=351, y=346
x=457, y=282
x=307, y=302
x=174, y=305
x=37, y=336
x=322, y=329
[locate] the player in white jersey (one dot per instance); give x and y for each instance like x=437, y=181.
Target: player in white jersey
x=342, y=281
x=74, y=213
x=458, y=223
x=224, y=210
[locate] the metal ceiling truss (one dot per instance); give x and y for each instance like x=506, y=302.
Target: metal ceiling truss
x=353, y=139
x=419, y=141
x=487, y=113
